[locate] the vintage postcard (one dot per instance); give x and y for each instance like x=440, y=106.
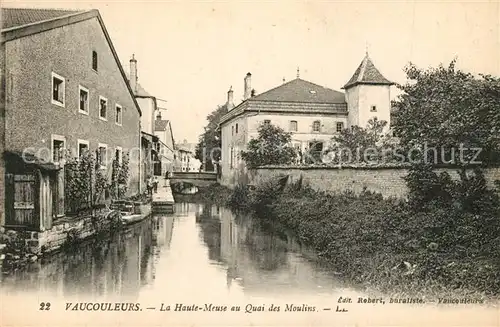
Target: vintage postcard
x=249, y=163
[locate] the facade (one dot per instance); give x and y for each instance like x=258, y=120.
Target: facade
x=63, y=88
x=164, y=147
x=184, y=158
x=157, y=142
x=312, y=113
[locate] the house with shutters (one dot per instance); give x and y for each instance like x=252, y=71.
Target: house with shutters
x=63, y=92
x=313, y=114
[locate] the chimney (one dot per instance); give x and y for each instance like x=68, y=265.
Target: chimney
x=158, y=116
x=230, y=103
x=248, y=86
x=133, y=74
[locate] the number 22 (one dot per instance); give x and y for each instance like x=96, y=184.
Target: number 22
x=45, y=306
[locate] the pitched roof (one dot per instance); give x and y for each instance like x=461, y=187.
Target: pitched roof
x=14, y=17
x=299, y=90
x=367, y=73
x=53, y=18
x=161, y=125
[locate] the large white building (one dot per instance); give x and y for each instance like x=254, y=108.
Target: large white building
x=312, y=113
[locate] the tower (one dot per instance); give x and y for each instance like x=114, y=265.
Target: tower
x=368, y=95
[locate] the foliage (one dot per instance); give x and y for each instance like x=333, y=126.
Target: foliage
x=271, y=147
x=446, y=107
x=211, y=138
x=78, y=182
x=86, y=182
x=389, y=246
x=239, y=199
x=364, y=144
x=119, y=178
x=469, y=193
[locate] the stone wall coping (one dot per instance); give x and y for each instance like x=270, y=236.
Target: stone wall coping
x=362, y=167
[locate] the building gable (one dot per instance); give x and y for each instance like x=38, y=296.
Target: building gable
x=59, y=19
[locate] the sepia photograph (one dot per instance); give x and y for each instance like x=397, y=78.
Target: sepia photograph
x=249, y=163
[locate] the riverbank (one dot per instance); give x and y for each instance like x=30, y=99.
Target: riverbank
x=382, y=245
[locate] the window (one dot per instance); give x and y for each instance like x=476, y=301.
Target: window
x=119, y=154
x=83, y=147
x=83, y=106
x=232, y=130
x=340, y=127
x=103, y=107
x=236, y=129
x=293, y=125
x=102, y=156
x=231, y=158
x=373, y=108
x=118, y=115
x=267, y=122
x=58, y=90
x=94, y=60
x=58, y=145
x=316, y=126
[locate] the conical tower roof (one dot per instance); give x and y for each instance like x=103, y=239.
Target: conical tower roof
x=367, y=73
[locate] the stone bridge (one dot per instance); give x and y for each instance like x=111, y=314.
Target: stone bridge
x=200, y=179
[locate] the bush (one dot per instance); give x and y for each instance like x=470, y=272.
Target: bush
x=386, y=243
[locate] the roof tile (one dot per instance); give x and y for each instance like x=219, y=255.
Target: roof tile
x=367, y=73
x=13, y=17
x=299, y=90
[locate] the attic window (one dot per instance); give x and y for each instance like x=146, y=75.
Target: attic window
x=94, y=60
x=312, y=92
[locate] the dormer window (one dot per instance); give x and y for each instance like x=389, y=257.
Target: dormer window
x=317, y=126
x=373, y=108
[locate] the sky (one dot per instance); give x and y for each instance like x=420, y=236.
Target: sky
x=190, y=53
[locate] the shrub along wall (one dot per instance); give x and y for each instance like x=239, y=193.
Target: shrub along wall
x=385, y=180
x=444, y=247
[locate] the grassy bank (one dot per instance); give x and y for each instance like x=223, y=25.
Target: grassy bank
x=388, y=245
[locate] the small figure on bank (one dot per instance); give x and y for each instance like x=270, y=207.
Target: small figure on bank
x=155, y=184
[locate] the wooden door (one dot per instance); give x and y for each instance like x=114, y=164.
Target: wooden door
x=21, y=195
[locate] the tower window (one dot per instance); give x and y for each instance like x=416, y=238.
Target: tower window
x=316, y=126
x=340, y=127
x=373, y=108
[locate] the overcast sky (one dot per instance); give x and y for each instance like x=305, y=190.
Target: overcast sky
x=190, y=53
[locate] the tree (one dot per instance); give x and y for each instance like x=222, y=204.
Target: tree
x=271, y=147
x=211, y=139
x=358, y=144
x=445, y=107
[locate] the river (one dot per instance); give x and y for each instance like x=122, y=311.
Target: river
x=199, y=256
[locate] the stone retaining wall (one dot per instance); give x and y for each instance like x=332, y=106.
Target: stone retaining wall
x=385, y=180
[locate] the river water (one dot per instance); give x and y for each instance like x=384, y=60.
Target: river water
x=202, y=255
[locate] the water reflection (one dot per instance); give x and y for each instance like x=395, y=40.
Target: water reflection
x=161, y=253
x=114, y=267
x=259, y=260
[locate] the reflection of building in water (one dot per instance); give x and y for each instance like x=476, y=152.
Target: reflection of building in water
x=183, y=208
x=261, y=261
x=210, y=230
x=113, y=267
